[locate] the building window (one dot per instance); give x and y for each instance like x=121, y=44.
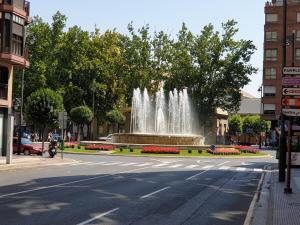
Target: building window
x=271, y=55
x=270, y=73
x=298, y=35
x=17, y=45
x=269, y=109
x=271, y=36
x=297, y=54
x=272, y=17
x=298, y=17
x=269, y=91
x=3, y=82
x=18, y=19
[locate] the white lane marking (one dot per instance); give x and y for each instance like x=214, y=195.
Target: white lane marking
x=257, y=170
x=153, y=193
x=71, y=182
x=127, y=164
x=96, y=163
x=191, y=166
x=224, y=168
x=240, y=169
x=81, y=163
x=189, y=178
x=144, y=164
x=206, y=167
x=175, y=165
x=98, y=217
x=221, y=164
x=160, y=165
x=112, y=163
x=246, y=164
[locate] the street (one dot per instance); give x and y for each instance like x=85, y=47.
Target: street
x=132, y=190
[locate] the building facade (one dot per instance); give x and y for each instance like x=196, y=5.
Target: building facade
x=273, y=53
x=14, y=16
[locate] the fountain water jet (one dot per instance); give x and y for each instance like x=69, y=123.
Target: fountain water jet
x=166, y=121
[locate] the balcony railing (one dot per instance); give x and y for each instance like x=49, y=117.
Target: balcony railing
x=3, y=91
x=274, y=3
x=27, y=8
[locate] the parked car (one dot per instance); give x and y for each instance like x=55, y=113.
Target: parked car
x=27, y=147
x=108, y=138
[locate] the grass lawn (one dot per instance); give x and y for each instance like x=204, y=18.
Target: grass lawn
x=184, y=153
x=81, y=150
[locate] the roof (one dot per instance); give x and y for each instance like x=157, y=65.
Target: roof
x=250, y=106
x=246, y=95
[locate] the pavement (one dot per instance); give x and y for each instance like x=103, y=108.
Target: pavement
x=273, y=206
x=22, y=161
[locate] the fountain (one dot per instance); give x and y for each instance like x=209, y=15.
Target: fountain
x=165, y=121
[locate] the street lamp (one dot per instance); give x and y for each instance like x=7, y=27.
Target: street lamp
x=260, y=110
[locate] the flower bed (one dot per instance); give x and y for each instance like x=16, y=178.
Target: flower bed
x=247, y=149
x=99, y=147
x=70, y=144
x=224, y=151
x=160, y=150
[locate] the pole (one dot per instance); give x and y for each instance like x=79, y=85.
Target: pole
x=282, y=144
x=288, y=189
x=21, y=114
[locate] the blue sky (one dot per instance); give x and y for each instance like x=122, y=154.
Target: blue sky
x=166, y=15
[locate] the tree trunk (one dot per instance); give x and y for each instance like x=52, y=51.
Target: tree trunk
x=43, y=141
x=78, y=132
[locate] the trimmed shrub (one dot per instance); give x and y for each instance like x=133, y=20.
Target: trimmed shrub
x=160, y=150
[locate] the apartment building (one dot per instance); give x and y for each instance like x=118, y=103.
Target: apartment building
x=273, y=53
x=14, y=16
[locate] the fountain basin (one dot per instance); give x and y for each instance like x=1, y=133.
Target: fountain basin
x=157, y=139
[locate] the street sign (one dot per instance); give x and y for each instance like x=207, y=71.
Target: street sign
x=291, y=70
x=291, y=91
x=291, y=112
x=290, y=81
x=62, y=119
x=291, y=101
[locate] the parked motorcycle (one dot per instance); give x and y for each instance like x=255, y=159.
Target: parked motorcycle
x=53, y=146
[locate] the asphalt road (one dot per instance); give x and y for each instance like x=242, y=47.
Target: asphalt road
x=115, y=190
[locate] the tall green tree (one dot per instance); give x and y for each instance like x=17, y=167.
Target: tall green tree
x=42, y=108
x=81, y=116
x=235, y=124
x=213, y=66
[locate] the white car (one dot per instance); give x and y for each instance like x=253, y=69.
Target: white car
x=108, y=138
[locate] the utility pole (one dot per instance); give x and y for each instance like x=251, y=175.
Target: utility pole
x=282, y=144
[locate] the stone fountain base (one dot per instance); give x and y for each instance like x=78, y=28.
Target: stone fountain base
x=157, y=139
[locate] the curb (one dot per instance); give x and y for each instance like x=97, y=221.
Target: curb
x=259, y=207
x=160, y=156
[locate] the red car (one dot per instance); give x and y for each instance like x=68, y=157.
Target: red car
x=27, y=147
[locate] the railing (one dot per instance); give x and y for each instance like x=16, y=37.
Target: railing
x=27, y=8
x=274, y=3
x=3, y=91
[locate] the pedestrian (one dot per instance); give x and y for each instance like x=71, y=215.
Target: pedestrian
x=69, y=136
x=49, y=137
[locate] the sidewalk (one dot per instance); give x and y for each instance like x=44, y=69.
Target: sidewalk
x=273, y=206
x=21, y=161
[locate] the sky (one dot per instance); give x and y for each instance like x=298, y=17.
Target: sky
x=166, y=15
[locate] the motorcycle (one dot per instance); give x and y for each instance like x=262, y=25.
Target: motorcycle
x=53, y=146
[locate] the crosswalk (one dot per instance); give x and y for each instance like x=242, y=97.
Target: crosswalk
x=171, y=165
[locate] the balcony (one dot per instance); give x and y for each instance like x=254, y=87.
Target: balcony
x=274, y=3
x=3, y=91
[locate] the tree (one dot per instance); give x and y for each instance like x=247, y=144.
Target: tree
x=115, y=116
x=81, y=116
x=213, y=67
x=42, y=108
x=235, y=124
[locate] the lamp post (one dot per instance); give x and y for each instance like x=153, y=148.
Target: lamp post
x=260, y=110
